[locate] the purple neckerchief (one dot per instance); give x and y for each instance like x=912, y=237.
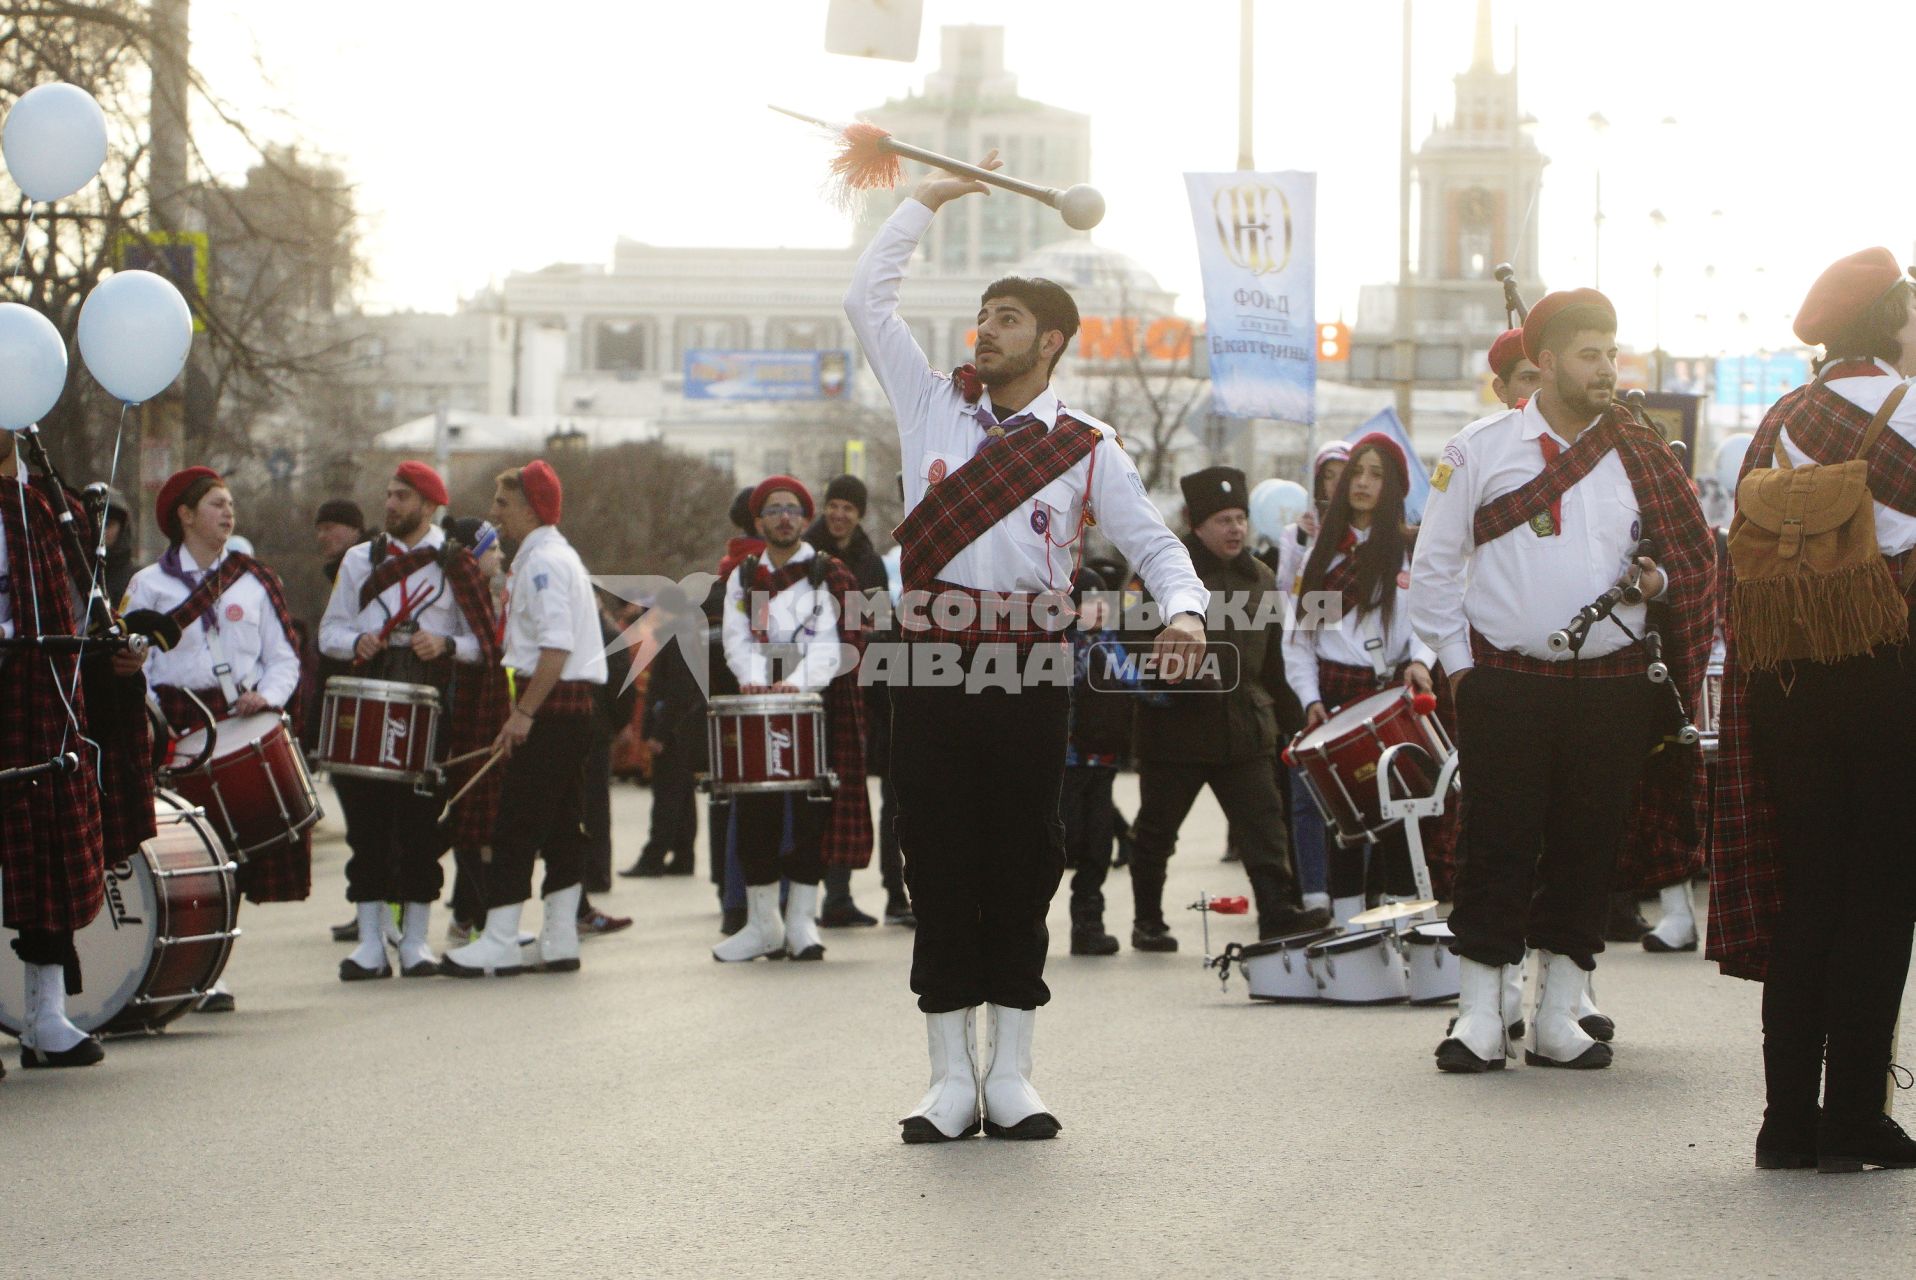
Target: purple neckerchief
x=171, y=567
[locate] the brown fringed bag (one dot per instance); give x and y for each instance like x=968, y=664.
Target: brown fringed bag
x=1810, y=580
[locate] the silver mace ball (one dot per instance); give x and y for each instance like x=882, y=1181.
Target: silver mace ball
x=1082, y=207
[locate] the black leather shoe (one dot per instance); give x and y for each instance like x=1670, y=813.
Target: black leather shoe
x=83, y=1054
x=677, y=864
x=348, y=932
x=1626, y=922
x=351, y=970
x=1092, y=940
x=1872, y=1142
x=1787, y=1142
x=1288, y=920
x=216, y=1002
x=898, y=911
x=1599, y=1027
x=1152, y=937
x=1033, y=1128
x=646, y=868
x=424, y=969
x=1595, y=1058
x=845, y=915
x=1455, y=1056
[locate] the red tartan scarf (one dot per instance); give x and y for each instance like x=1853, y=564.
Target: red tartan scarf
x=1746, y=891
x=848, y=832
x=479, y=704
x=1341, y=577
x=50, y=839
x=963, y=506
x=389, y=569
x=1673, y=801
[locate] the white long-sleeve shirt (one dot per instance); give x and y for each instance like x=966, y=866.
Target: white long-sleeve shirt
x=344, y=621
x=1895, y=532
x=1348, y=644
x=549, y=605
x=801, y=618
x=1030, y=550
x=257, y=647
x=1519, y=588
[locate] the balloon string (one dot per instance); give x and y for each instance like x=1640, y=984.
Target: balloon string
x=20, y=263
x=94, y=578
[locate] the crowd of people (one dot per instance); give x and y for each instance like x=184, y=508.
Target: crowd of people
x=998, y=678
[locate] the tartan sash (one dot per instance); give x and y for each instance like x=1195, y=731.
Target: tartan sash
x=390, y=570
x=200, y=601
x=964, y=505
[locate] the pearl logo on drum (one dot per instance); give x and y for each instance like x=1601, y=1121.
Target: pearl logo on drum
x=392, y=736
x=778, y=745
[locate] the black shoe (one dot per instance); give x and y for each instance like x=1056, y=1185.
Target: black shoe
x=814, y=952
x=1657, y=946
x=732, y=919
x=647, y=868
x=83, y=1054
x=348, y=932
x=1873, y=1142
x=424, y=969
x=1033, y=1128
x=898, y=911
x=216, y=1002
x=1092, y=940
x=1152, y=937
x=1787, y=1142
x=915, y=1130
x=845, y=915
x=1285, y=921
x=679, y=864
x=1595, y=1058
x=351, y=970
x=1599, y=1027
x=1626, y=922
x=1455, y=1056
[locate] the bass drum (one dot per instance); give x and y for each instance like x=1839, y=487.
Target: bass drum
x=161, y=940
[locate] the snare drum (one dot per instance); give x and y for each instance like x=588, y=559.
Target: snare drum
x=1279, y=969
x=379, y=729
x=768, y=742
x=1434, y=972
x=160, y=942
x=1360, y=968
x=1338, y=761
x=254, y=787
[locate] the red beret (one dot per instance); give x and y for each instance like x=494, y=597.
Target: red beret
x=771, y=485
x=1390, y=451
x=173, y=492
x=1844, y=292
x=1505, y=352
x=424, y=481
x=1552, y=305
x=544, y=494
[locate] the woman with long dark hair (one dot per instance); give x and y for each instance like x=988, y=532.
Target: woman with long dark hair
x=1363, y=642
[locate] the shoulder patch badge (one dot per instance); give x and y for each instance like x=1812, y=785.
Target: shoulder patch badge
x=1440, y=478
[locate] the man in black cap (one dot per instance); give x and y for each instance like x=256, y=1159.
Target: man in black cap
x=338, y=526
x=1222, y=731
x=839, y=533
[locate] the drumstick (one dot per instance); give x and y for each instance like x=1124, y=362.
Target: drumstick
x=497, y=755
x=470, y=755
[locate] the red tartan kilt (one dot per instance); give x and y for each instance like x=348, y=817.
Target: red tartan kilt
x=52, y=860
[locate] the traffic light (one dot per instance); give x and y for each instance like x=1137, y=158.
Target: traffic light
x=1333, y=343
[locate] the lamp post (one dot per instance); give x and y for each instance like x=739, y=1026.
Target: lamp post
x=1657, y=222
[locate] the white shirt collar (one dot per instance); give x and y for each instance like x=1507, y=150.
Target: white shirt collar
x=188, y=563
x=433, y=537
x=1534, y=424
x=538, y=537
x=1045, y=407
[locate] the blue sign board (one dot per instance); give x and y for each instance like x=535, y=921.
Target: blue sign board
x=1759, y=379
x=712, y=374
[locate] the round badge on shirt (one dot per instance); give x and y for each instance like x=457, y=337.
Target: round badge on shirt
x=1040, y=519
x=937, y=471
x=1636, y=530
x=234, y=613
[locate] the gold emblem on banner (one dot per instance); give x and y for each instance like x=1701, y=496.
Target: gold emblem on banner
x=1254, y=227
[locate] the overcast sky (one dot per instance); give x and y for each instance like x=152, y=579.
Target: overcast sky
x=487, y=138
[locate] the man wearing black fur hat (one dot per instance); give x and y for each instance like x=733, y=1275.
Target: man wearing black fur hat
x=1224, y=738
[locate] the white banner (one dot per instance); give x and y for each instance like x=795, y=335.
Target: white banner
x=1256, y=238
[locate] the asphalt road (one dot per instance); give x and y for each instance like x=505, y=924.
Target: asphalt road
x=658, y=1114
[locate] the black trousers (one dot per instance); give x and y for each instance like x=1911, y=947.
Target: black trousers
x=597, y=873
x=1838, y=747
x=1247, y=792
x=1088, y=834
x=541, y=812
x=675, y=809
x=1380, y=867
x=779, y=835
x=978, y=777
x=469, y=873
x=1552, y=762
x=391, y=831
